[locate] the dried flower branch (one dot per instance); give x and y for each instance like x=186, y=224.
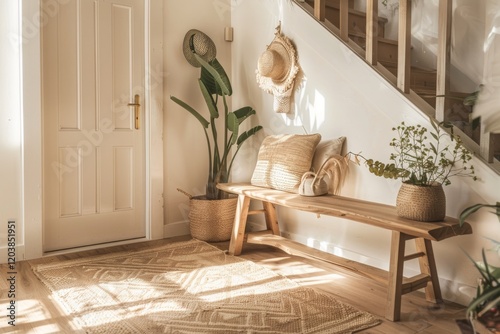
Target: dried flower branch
x=421, y=160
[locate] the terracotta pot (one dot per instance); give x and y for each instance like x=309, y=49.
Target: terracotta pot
x=422, y=203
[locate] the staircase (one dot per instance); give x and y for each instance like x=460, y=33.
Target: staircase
x=364, y=34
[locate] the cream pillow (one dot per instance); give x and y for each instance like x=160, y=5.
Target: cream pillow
x=325, y=150
x=283, y=159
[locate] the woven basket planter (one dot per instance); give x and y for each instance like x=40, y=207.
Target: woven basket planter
x=211, y=220
x=422, y=203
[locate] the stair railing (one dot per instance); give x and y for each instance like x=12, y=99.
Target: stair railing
x=488, y=141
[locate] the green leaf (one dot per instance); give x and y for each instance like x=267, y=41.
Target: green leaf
x=471, y=209
x=225, y=89
x=196, y=114
x=236, y=118
x=434, y=150
x=247, y=134
x=434, y=124
x=498, y=210
x=243, y=113
x=212, y=107
x=488, y=268
x=233, y=125
x=232, y=122
x=209, y=82
x=483, y=274
x=487, y=294
x=218, y=67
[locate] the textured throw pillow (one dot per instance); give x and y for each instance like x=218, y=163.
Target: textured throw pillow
x=325, y=150
x=283, y=159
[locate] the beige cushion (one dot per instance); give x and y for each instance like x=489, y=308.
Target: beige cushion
x=325, y=150
x=283, y=159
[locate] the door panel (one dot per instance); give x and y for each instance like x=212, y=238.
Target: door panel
x=93, y=65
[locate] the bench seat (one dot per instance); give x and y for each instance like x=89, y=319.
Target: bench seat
x=375, y=214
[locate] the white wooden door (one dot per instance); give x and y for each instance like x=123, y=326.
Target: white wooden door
x=94, y=156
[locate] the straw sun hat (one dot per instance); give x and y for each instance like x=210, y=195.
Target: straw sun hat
x=277, y=69
x=197, y=42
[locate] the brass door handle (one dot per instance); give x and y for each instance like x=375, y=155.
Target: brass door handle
x=137, y=110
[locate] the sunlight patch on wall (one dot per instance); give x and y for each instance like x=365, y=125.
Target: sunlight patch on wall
x=317, y=110
x=314, y=111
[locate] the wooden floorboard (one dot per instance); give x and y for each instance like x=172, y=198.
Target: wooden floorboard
x=37, y=312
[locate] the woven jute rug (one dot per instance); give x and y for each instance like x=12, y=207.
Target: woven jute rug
x=191, y=287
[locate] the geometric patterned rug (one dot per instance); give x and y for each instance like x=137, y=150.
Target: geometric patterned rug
x=191, y=287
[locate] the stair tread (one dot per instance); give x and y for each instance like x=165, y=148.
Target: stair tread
x=413, y=68
x=380, y=39
x=356, y=12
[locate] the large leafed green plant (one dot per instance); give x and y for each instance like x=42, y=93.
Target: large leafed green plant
x=215, y=87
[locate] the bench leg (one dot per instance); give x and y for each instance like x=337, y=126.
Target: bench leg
x=271, y=218
x=240, y=222
x=395, y=287
x=428, y=266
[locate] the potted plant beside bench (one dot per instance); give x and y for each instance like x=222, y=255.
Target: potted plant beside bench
x=211, y=215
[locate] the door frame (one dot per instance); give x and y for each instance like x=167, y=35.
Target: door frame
x=32, y=149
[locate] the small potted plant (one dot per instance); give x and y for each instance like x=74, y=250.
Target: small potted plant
x=214, y=207
x=424, y=162
x=485, y=307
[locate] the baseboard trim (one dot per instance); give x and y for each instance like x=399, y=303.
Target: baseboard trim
x=176, y=229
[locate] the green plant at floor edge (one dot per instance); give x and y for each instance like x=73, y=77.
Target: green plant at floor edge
x=214, y=85
x=488, y=292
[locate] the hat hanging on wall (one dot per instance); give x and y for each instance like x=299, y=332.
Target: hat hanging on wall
x=197, y=42
x=277, y=69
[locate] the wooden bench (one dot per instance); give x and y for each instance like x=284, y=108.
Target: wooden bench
x=371, y=213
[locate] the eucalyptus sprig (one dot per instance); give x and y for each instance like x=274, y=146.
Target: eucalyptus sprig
x=422, y=160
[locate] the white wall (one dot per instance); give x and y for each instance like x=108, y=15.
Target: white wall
x=341, y=96
x=185, y=151
x=10, y=125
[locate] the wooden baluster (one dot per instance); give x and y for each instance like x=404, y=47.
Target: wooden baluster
x=371, y=31
x=344, y=20
x=443, y=57
x=487, y=146
x=404, y=45
x=320, y=10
